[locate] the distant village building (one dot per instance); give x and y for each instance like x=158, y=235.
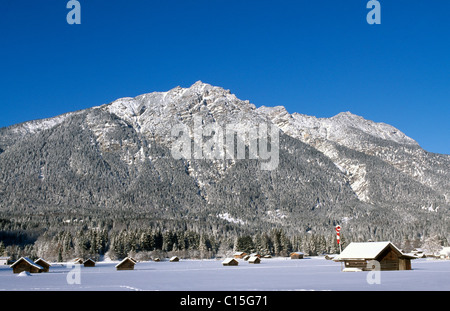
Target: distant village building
x=357, y=254
x=126, y=264
x=174, y=259
x=246, y=257
x=26, y=264
x=267, y=256
x=156, y=259
x=4, y=260
x=254, y=259
x=78, y=261
x=230, y=262
x=239, y=255
x=445, y=253
x=296, y=255
x=44, y=264
x=418, y=252
x=255, y=255
x=89, y=263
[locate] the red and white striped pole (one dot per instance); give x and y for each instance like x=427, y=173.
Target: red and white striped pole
x=338, y=237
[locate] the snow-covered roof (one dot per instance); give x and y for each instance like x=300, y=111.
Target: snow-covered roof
x=89, y=259
x=228, y=260
x=365, y=250
x=238, y=253
x=29, y=261
x=299, y=253
x=42, y=260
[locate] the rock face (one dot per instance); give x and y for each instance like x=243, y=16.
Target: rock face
x=118, y=155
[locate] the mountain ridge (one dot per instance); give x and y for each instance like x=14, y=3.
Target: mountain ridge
x=118, y=155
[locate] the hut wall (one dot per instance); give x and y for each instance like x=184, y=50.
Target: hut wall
x=128, y=265
x=389, y=260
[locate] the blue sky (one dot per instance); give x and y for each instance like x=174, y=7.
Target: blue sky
x=313, y=57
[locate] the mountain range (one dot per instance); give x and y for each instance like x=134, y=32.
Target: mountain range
x=369, y=177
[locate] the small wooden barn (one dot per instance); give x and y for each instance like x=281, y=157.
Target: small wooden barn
x=156, y=259
x=255, y=255
x=26, y=264
x=296, y=255
x=230, y=262
x=89, y=263
x=246, y=257
x=239, y=255
x=254, y=259
x=78, y=261
x=44, y=264
x=174, y=259
x=356, y=256
x=126, y=264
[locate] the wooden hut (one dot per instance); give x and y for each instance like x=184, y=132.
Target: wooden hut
x=26, y=264
x=174, y=259
x=156, y=259
x=126, y=264
x=230, y=262
x=89, y=263
x=296, y=255
x=78, y=261
x=44, y=264
x=255, y=255
x=254, y=259
x=239, y=255
x=356, y=256
x=246, y=257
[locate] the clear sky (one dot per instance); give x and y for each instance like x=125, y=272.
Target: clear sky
x=313, y=57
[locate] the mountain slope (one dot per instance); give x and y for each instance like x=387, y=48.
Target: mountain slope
x=118, y=156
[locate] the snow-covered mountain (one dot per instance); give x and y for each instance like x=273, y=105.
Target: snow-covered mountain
x=334, y=169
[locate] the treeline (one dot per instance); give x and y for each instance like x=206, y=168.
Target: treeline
x=147, y=243
x=115, y=234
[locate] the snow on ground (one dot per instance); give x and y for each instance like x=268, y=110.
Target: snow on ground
x=275, y=274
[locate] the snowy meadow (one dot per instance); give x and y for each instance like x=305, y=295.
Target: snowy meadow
x=274, y=274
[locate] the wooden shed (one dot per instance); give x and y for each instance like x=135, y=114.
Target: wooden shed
x=296, y=255
x=230, y=262
x=254, y=259
x=239, y=255
x=156, y=259
x=174, y=259
x=26, y=264
x=356, y=256
x=89, y=263
x=78, y=261
x=126, y=264
x=44, y=264
x=255, y=255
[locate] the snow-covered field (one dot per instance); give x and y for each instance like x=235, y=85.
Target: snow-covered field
x=275, y=274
